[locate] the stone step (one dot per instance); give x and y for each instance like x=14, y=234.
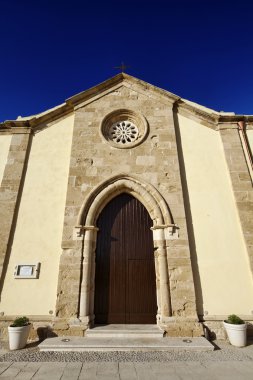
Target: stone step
x=125, y=331
x=123, y=344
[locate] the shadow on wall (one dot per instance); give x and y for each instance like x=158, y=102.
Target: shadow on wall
x=190, y=229
x=209, y=334
x=45, y=332
x=250, y=330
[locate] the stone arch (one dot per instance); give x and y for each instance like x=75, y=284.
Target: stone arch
x=163, y=229
x=144, y=192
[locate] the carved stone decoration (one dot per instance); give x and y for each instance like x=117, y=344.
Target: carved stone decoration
x=124, y=128
x=123, y=132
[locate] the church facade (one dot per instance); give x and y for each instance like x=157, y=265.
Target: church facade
x=126, y=204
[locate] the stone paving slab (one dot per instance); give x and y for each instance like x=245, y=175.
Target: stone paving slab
x=88, y=372
x=4, y=366
x=28, y=371
x=71, y=371
x=128, y=371
x=124, y=344
x=50, y=371
x=13, y=370
x=226, y=362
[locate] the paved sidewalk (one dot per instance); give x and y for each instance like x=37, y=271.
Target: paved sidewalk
x=226, y=362
x=127, y=371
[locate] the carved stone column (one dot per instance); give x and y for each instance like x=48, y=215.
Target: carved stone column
x=164, y=309
x=88, y=274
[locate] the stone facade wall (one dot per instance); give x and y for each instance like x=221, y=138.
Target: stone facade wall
x=46, y=327
x=39, y=223
x=5, y=141
x=10, y=192
x=215, y=232
x=249, y=133
x=155, y=160
x=241, y=183
x=101, y=169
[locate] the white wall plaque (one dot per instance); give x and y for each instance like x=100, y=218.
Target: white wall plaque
x=27, y=270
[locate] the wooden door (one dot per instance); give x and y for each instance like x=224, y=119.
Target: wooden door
x=125, y=290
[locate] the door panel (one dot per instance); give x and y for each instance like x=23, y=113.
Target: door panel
x=141, y=293
x=125, y=289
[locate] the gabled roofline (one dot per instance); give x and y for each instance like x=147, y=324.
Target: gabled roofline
x=114, y=81
x=206, y=114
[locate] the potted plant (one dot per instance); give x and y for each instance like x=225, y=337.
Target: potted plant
x=18, y=333
x=236, y=330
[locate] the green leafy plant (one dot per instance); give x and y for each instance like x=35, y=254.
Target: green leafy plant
x=19, y=322
x=234, y=320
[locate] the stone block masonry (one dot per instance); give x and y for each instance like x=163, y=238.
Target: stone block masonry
x=241, y=184
x=10, y=191
x=154, y=161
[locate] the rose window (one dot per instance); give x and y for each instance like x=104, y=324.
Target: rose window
x=123, y=128
x=123, y=132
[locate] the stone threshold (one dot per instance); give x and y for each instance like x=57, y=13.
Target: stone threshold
x=124, y=331
x=83, y=344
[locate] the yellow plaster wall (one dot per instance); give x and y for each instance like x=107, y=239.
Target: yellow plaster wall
x=226, y=281
x=40, y=221
x=250, y=138
x=5, y=141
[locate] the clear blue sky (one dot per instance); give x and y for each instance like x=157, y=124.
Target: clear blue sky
x=51, y=50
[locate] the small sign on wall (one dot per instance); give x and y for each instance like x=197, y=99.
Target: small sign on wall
x=27, y=270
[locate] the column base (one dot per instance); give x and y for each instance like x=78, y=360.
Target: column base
x=181, y=327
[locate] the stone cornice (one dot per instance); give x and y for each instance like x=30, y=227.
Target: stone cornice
x=36, y=120
x=9, y=124
x=205, y=116
x=214, y=120
x=198, y=114
x=117, y=80
x=11, y=127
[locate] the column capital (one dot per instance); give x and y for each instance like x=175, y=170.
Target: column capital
x=78, y=231
x=170, y=231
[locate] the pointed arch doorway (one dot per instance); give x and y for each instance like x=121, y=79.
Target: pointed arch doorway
x=125, y=281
